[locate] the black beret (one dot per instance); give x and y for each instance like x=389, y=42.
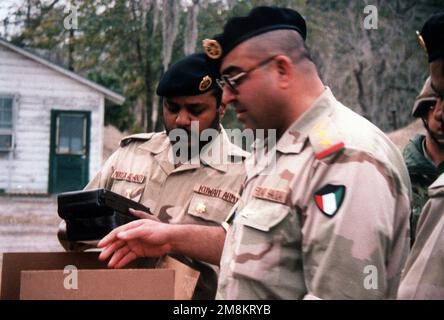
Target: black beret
x=258, y=21
x=190, y=76
x=432, y=36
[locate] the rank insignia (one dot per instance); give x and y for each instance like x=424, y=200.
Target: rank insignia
x=201, y=208
x=205, y=83
x=212, y=48
x=421, y=41
x=329, y=199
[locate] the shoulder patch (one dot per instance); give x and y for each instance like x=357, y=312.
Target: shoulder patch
x=329, y=199
x=136, y=137
x=325, y=139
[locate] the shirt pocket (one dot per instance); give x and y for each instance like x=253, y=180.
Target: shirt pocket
x=212, y=207
x=262, y=215
x=129, y=190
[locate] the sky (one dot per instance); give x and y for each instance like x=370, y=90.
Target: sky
x=6, y=6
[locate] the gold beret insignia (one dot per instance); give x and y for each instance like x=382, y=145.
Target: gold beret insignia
x=212, y=48
x=421, y=41
x=205, y=83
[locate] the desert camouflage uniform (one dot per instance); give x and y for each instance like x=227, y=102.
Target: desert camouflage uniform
x=423, y=173
x=423, y=277
x=194, y=193
x=283, y=243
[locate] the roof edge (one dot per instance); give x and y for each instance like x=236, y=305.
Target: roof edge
x=109, y=94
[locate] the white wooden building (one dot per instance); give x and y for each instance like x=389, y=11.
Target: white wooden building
x=51, y=124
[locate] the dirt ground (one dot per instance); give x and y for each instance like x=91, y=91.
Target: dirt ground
x=28, y=224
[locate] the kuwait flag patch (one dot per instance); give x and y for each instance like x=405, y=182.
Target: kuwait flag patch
x=329, y=199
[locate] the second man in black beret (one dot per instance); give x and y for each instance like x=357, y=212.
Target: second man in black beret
x=177, y=185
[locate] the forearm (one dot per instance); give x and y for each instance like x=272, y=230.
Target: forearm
x=199, y=242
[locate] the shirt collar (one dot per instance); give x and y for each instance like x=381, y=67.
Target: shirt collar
x=218, y=154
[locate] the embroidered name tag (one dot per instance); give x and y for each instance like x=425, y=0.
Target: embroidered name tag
x=274, y=195
x=127, y=176
x=217, y=193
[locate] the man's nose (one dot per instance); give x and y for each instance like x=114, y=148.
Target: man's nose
x=227, y=95
x=183, y=119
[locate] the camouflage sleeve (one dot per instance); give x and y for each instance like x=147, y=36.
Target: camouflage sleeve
x=423, y=277
x=355, y=228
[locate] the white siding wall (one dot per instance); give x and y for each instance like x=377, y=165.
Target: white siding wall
x=40, y=90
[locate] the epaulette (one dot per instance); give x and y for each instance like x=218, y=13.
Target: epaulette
x=325, y=138
x=136, y=137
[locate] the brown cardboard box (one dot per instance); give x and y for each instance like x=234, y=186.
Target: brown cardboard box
x=46, y=276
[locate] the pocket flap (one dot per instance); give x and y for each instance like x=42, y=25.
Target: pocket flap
x=262, y=215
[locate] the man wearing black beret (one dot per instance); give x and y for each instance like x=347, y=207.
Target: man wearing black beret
x=192, y=183
x=330, y=219
x=344, y=205
x=423, y=277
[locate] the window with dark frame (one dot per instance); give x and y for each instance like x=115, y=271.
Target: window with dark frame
x=6, y=122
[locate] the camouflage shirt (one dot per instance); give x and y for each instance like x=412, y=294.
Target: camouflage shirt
x=422, y=173
x=329, y=220
x=423, y=277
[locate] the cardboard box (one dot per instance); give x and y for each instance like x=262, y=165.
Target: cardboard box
x=80, y=275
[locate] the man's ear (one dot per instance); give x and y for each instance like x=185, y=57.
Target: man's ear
x=284, y=67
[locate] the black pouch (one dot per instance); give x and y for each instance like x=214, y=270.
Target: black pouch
x=92, y=214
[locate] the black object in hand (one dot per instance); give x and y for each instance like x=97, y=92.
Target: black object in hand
x=92, y=214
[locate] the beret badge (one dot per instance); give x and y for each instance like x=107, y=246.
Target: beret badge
x=421, y=41
x=212, y=48
x=205, y=83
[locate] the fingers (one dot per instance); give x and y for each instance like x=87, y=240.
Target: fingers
x=118, y=255
x=130, y=256
x=143, y=215
x=110, y=249
x=112, y=236
x=140, y=232
x=139, y=214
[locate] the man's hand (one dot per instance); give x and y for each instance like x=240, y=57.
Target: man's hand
x=143, y=215
x=141, y=238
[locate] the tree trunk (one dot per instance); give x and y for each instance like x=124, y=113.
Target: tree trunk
x=191, y=30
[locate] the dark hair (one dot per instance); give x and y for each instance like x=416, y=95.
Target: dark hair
x=217, y=93
x=442, y=66
x=288, y=42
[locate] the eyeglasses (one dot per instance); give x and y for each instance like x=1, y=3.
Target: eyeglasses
x=234, y=81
